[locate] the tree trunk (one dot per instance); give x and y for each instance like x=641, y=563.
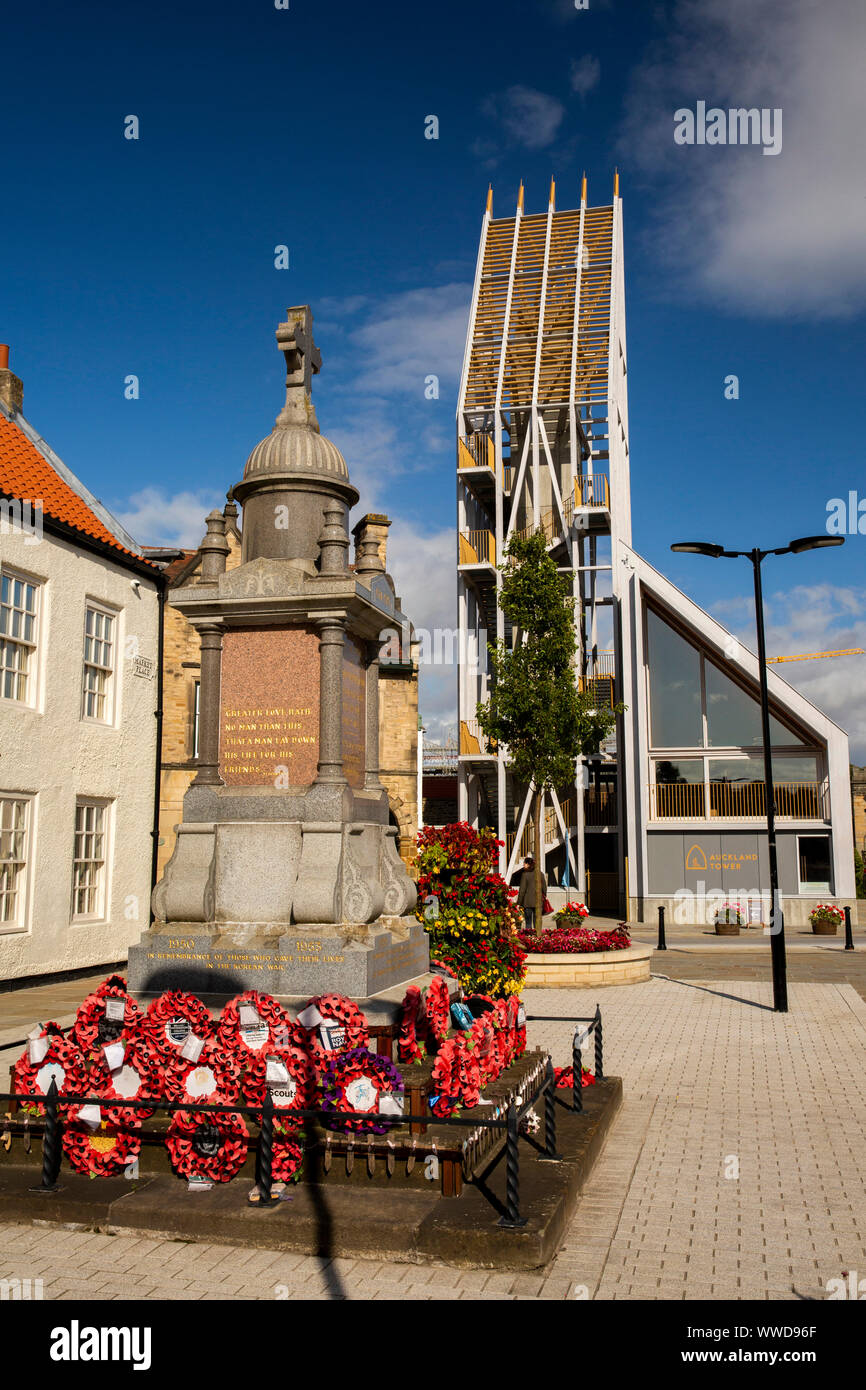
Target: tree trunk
x=539, y=900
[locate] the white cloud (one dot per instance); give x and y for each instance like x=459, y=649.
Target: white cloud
x=780, y=236
x=154, y=517
x=815, y=618
x=585, y=74
x=527, y=117
x=406, y=337
x=422, y=565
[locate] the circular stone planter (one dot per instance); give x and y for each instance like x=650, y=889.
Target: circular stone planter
x=727, y=929
x=824, y=928
x=588, y=969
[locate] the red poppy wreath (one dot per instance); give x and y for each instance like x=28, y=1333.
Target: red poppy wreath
x=211, y=1078
x=437, y=1008
x=207, y=1146
x=252, y=1021
x=291, y=1078
x=411, y=1027
x=456, y=1077
x=358, y=1080
x=46, y=1058
x=172, y=1017
x=100, y=1148
x=106, y=1015
x=333, y=1025
x=286, y=1161
x=139, y=1074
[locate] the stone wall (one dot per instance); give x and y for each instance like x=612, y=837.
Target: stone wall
x=398, y=747
x=858, y=798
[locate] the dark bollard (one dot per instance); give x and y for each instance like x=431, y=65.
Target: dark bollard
x=576, y=1073
x=50, y=1142
x=512, y=1215
x=550, y=1153
x=662, y=945
x=265, y=1153
x=849, y=935
x=599, y=1046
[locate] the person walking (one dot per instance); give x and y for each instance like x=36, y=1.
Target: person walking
x=526, y=895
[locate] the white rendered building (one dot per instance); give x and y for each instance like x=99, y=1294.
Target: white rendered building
x=79, y=664
x=671, y=812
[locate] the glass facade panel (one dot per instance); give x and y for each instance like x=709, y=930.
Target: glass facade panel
x=675, y=688
x=734, y=717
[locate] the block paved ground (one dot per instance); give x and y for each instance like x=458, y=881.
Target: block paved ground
x=733, y=1171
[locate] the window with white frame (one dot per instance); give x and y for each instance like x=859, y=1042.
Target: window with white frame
x=14, y=834
x=89, y=860
x=99, y=646
x=19, y=611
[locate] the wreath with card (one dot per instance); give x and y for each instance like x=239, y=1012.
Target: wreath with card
x=106, y=1015
x=252, y=1021
x=172, y=1017
x=49, y=1057
x=212, y=1078
x=456, y=1077
x=358, y=1080
x=138, y=1075
x=101, y=1146
x=333, y=1025
x=207, y=1146
x=291, y=1078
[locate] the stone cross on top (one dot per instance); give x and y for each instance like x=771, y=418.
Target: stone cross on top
x=295, y=341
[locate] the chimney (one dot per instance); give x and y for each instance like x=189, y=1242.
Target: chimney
x=371, y=537
x=11, y=388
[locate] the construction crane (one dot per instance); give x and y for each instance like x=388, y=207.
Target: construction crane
x=814, y=656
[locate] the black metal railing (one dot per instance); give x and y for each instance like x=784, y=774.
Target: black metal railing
x=510, y=1122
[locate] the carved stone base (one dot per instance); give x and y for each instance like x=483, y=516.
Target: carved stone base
x=355, y=959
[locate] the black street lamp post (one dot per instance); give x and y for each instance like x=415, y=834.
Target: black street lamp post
x=777, y=919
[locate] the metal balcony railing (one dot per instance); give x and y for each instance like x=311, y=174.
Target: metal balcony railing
x=599, y=805
x=592, y=491
x=473, y=740
x=737, y=801
x=477, y=548
x=478, y=451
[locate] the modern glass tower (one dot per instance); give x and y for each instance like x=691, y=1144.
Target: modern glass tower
x=670, y=810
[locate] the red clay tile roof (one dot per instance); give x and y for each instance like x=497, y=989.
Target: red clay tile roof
x=25, y=474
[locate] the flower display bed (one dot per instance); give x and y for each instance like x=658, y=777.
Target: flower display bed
x=580, y=957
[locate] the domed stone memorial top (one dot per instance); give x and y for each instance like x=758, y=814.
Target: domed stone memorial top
x=293, y=472
x=286, y=875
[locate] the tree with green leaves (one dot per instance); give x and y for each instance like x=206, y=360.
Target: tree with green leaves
x=535, y=707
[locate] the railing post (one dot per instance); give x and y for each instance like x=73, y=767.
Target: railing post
x=662, y=945
x=599, y=1046
x=266, y=1150
x=512, y=1217
x=50, y=1141
x=576, y=1072
x=849, y=936
x=550, y=1154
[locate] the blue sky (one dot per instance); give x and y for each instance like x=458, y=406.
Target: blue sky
x=305, y=127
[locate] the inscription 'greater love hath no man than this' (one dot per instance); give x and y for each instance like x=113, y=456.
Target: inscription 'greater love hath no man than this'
x=259, y=741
